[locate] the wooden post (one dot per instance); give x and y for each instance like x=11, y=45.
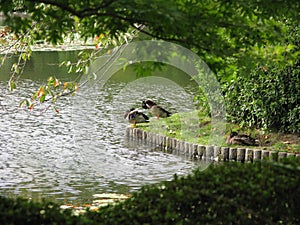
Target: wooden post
x=256, y=155
x=168, y=143
x=127, y=131
x=195, y=154
x=240, y=155
x=145, y=135
x=178, y=145
x=139, y=133
x=186, y=148
x=232, y=154
x=134, y=132
x=209, y=152
x=181, y=147
x=291, y=155
x=225, y=153
x=149, y=137
x=249, y=155
x=217, y=153
x=158, y=139
x=273, y=155
x=153, y=138
x=281, y=155
x=265, y=154
x=174, y=143
x=191, y=149
x=201, y=151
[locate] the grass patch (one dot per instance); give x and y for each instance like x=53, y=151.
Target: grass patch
x=196, y=127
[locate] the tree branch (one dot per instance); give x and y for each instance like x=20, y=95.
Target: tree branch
x=82, y=13
x=58, y=4
x=167, y=39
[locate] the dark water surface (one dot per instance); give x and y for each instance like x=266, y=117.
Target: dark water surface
x=83, y=150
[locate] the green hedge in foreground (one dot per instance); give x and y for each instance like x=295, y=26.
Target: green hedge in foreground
x=230, y=193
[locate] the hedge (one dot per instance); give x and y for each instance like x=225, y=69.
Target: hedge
x=267, y=99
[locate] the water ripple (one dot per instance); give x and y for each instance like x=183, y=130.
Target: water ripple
x=81, y=151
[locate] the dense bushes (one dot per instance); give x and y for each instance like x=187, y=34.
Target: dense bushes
x=269, y=98
x=226, y=194
x=22, y=211
x=233, y=193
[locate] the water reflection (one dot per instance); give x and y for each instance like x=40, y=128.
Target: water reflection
x=82, y=150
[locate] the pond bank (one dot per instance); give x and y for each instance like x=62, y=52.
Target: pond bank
x=205, y=152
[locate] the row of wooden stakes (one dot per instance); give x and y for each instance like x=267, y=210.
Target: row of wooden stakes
x=202, y=152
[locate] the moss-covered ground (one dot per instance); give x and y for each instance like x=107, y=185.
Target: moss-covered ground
x=196, y=127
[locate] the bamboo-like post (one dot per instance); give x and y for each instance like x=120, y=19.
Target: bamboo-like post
x=174, y=143
x=225, y=153
x=201, y=151
x=256, y=155
x=196, y=151
x=265, y=154
x=209, y=152
x=249, y=155
x=186, y=148
x=139, y=133
x=217, y=153
x=178, y=146
x=145, y=135
x=167, y=143
x=134, y=132
x=181, y=147
x=232, y=154
x=149, y=137
x=129, y=131
x=281, y=155
x=154, y=138
x=195, y=154
x=273, y=155
x=159, y=140
x=240, y=154
x=291, y=155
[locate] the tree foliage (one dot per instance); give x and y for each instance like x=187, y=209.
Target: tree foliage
x=269, y=96
x=215, y=30
x=232, y=37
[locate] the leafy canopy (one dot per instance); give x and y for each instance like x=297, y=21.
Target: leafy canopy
x=214, y=29
x=230, y=36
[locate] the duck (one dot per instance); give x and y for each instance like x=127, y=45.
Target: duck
x=155, y=109
x=241, y=139
x=134, y=116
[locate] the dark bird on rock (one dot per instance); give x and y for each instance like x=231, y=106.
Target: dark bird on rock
x=155, y=109
x=134, y=116
x=241, y=139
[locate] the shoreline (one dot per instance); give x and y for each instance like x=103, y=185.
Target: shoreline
x=206, y=152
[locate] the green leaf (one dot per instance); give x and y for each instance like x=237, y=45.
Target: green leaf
x=12, y=85
x=42, y=98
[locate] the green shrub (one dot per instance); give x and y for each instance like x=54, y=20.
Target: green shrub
x=266, y=193
x=267, y=99
x=228, y=193
x=22, y=211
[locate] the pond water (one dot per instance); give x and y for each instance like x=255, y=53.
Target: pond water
x=83, y=149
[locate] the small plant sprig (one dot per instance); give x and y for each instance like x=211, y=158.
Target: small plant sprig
x=50, y=92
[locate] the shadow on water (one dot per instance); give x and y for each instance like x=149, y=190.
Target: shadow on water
x=82, y=150
x=42, y=65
